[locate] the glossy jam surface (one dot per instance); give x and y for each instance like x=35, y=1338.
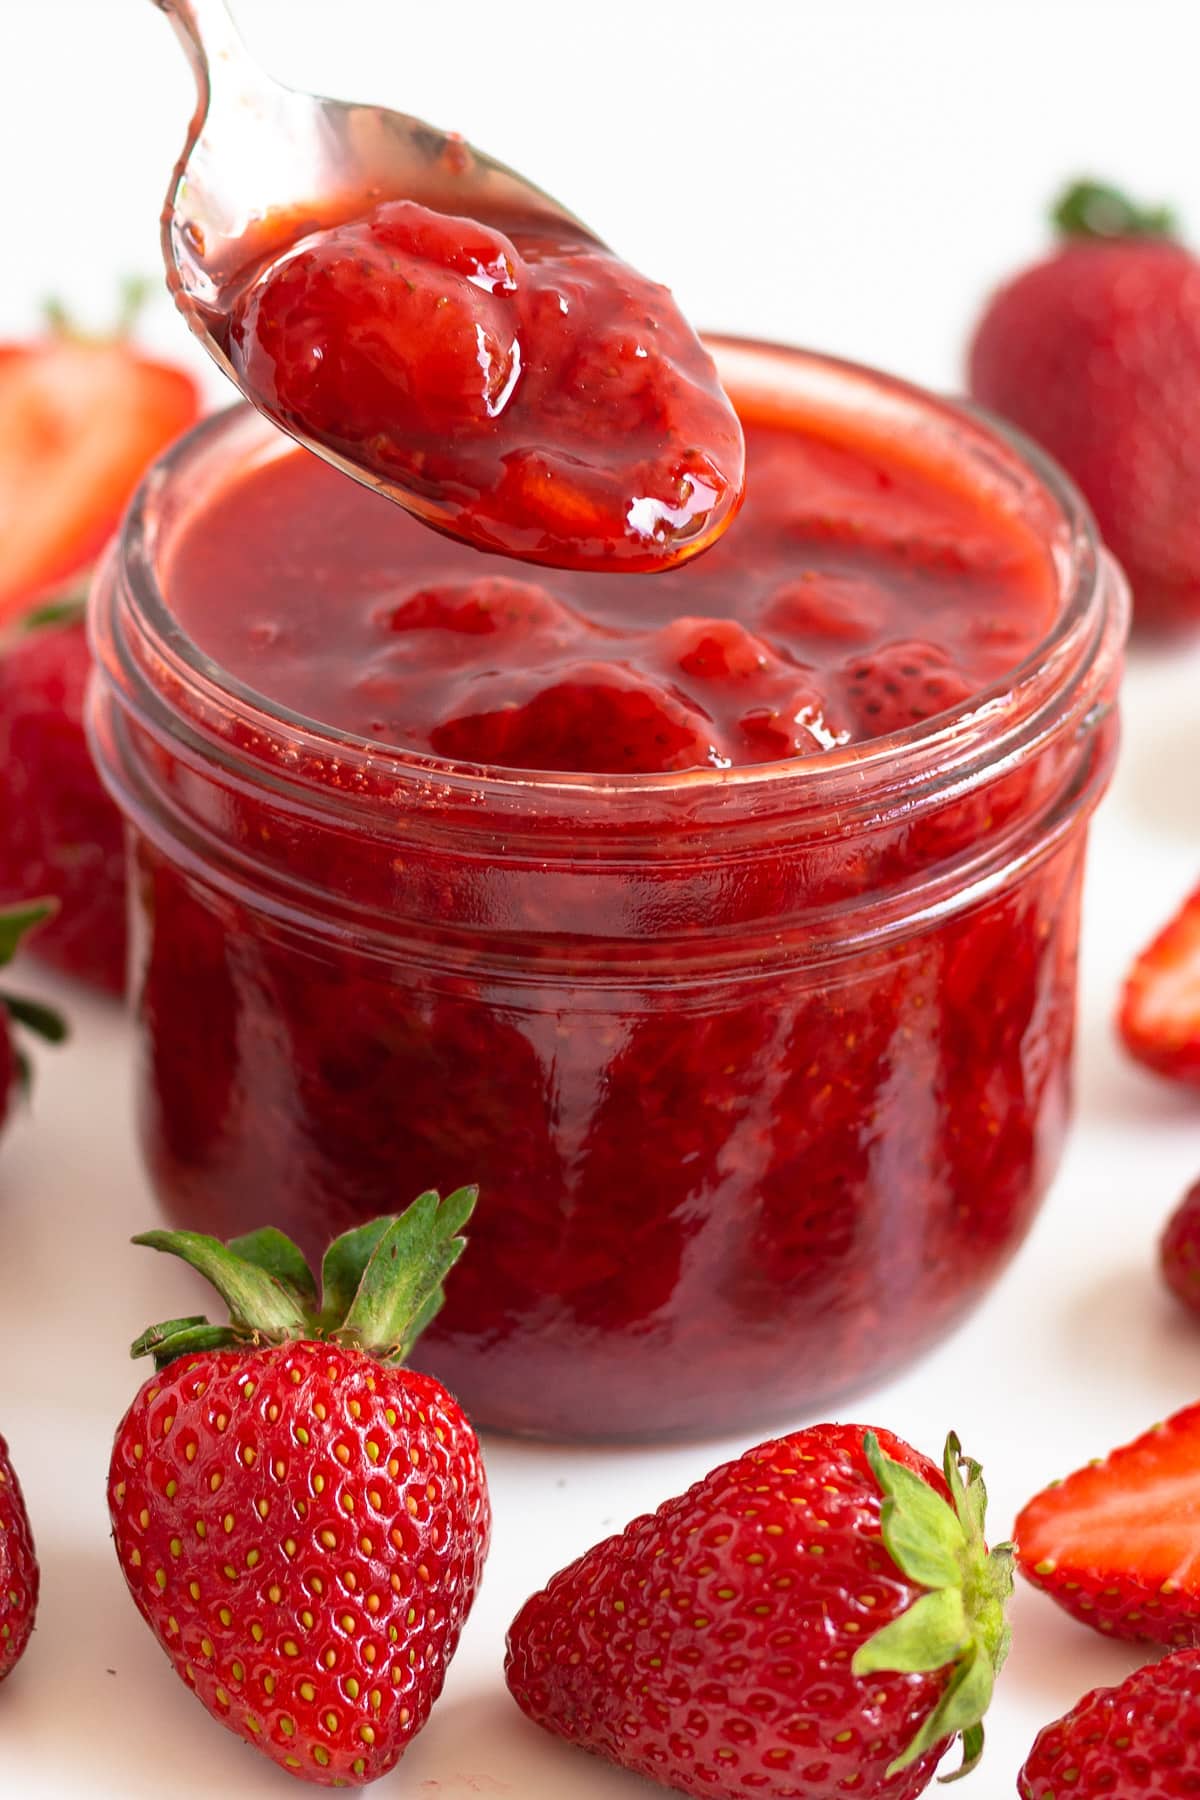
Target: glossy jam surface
x=761, y=1086
x=534, y=396
x=854, y=596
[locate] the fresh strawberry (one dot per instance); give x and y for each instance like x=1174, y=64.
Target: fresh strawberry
x=15, y=923
x=80, y=418
x=1115, y=1544
x=61, y=834
x=1179, y=1250
x=1139, y=1741
x=818, y=1618
x=18, y=1569
x=302, y=1522
x=901, y=685
x=1095, y=352
x=1159, y=1017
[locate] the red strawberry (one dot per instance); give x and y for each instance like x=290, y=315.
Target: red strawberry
x=1140, y=1739
x=61, y=834
x=15, y=922
x=80, y=418
x=1179, y=1250
x=811, y=1620
x=1116, y=1544
x=1159, y=1017
x=18, y=1569
x=301, y=1521
x=79, y=421
x=1095, y=352
x=901, y=685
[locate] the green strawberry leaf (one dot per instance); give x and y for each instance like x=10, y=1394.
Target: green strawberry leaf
x=923, y=1537
x=1094, y=209
x=34, y=1016
x=960, y=1621
x=15, y=921
x=158, y=1334
x=932, y=1633
x=401, y=1286
x=382, y=1283
x=258, y=1301
x=269, y=1249
x=345, y=1265
x=167, y=1346
x=65, y=609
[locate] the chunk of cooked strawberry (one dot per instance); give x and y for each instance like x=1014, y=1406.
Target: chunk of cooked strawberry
x=367, y=333
x=1159, y=1016
x=587, y=718
x=828, y=608
x=1116, y=1544
x=767, y=706
x=901, y=685
x=490, y=603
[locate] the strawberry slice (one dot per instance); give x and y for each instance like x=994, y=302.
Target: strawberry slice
x=80, y=419
x=1159, y=1018
x=1118, y=1543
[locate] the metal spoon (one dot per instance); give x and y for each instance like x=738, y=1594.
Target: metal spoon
x=256, y=148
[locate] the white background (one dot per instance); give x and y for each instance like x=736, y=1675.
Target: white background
x=835, y=172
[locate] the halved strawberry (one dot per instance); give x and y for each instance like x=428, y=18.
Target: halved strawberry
x=1118, y=1543
x=1159, y=1018
x=80, y=418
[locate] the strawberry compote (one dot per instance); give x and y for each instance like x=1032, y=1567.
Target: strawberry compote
x=531, y=394
x=721, y=925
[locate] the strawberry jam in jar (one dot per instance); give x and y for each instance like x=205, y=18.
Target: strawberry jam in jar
x=720, y=924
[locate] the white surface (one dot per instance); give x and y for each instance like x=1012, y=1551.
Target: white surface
x=896, y=157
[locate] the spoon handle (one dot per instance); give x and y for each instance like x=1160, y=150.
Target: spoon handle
x=214, y=47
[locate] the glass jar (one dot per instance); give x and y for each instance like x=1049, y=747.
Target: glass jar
x=762, y=1072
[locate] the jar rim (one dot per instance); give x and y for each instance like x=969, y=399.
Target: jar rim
x=934, y=752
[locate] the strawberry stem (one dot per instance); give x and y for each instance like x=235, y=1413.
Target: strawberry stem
x=381, y=1283
x=135, y=292
x=1092, y=209
x=132, y=296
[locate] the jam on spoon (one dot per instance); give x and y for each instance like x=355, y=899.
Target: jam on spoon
x=439, y=328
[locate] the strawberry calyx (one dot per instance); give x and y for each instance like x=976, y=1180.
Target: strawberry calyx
x=132, y=295
x=15, y=923
x=380, y=1284
x=69, y=608
x=1093, y=209
x=961, y=1618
